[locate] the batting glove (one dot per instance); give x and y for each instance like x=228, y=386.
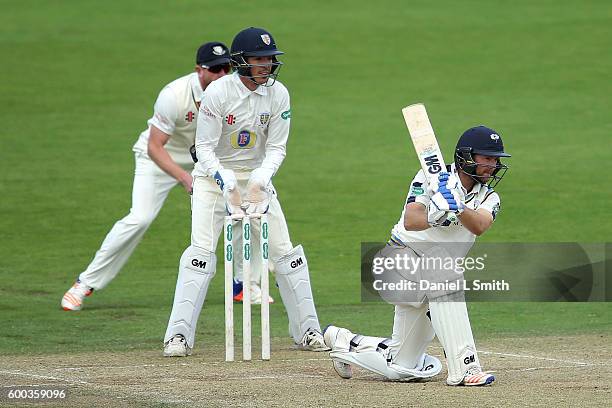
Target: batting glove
x=444, y=205
x=444, y=181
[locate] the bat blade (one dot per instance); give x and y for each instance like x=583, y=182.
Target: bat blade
x=425, y=143
x=424, y=140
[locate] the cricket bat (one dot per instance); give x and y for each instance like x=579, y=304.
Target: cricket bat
x=425, y=142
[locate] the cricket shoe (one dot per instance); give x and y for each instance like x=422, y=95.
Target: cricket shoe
x=73, y=299
x=475, y=376
x=177, y=347
x=312, y=341
x=255, y=293
x=340, y=339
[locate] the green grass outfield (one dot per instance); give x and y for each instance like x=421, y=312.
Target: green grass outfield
x=78, y=80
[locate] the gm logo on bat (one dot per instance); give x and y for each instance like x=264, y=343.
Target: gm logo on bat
x=433, y=164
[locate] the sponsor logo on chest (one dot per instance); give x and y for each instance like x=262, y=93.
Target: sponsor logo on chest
x=245, y=139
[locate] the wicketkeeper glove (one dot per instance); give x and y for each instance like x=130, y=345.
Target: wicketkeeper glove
x=259, y=192
x=226, y=180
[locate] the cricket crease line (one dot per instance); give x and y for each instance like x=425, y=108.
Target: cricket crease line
x=44, y=377
x=199, y=363
x=121, y=394
x=581, y=363
x=53, y=384
x=558, y=360
x=548, y=368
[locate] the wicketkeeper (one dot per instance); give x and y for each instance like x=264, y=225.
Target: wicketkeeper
x=465, y=192
x=241, y=138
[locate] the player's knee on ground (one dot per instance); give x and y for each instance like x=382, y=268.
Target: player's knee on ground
x=196, y=270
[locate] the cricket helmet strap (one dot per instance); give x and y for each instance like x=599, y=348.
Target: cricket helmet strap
x=484, y=141
x=254, y=42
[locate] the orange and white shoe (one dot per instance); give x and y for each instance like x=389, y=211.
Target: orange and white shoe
x=475, y=376
x=73, y=299
x=255, y=293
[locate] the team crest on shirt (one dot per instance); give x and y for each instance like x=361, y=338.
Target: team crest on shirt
x=264, y=118
x=245, y=139
x=265, y=38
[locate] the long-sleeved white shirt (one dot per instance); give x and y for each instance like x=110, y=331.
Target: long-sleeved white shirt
x=240, y=129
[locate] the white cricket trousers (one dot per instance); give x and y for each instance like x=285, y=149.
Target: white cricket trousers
x=149, y=192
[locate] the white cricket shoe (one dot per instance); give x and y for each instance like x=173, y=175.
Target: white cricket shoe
x=338, y=338
x=475, y=376
x=177, y=347
x=312, y=341
x=343, y=369
x=73, y=299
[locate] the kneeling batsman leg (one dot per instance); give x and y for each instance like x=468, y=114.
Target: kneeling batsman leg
x=293, y=282
x=372, y=354
x=196, y=270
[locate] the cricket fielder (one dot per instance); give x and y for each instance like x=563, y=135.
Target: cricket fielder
x=162, y=161
x=466, y=190
x=241, y=138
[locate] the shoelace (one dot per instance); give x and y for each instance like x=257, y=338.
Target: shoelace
x=474, y=370
x=178, y=340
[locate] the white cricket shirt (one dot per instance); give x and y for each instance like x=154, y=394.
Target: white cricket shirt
x=175, y=113
x=480, y=196
x=240, y=129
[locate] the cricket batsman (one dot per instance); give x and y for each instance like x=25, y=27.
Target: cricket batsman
x=241, y=139
x=464, y=194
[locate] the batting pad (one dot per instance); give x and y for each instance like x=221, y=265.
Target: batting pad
x=196, y=270
x=376, y=362
x=452, y=326
x=293, y=282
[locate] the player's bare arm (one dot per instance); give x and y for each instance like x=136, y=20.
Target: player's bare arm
x=157, y=153
x=477, y=222
x=415, y=217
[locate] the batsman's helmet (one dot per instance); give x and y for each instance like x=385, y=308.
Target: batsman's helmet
x=484, y=141
x=254, y=42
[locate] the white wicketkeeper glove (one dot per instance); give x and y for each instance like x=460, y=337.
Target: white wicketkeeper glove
x=258, y=192
x=226, y=180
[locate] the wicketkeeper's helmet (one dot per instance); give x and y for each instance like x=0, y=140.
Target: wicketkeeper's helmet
x=484, y=141
x=254, y=42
